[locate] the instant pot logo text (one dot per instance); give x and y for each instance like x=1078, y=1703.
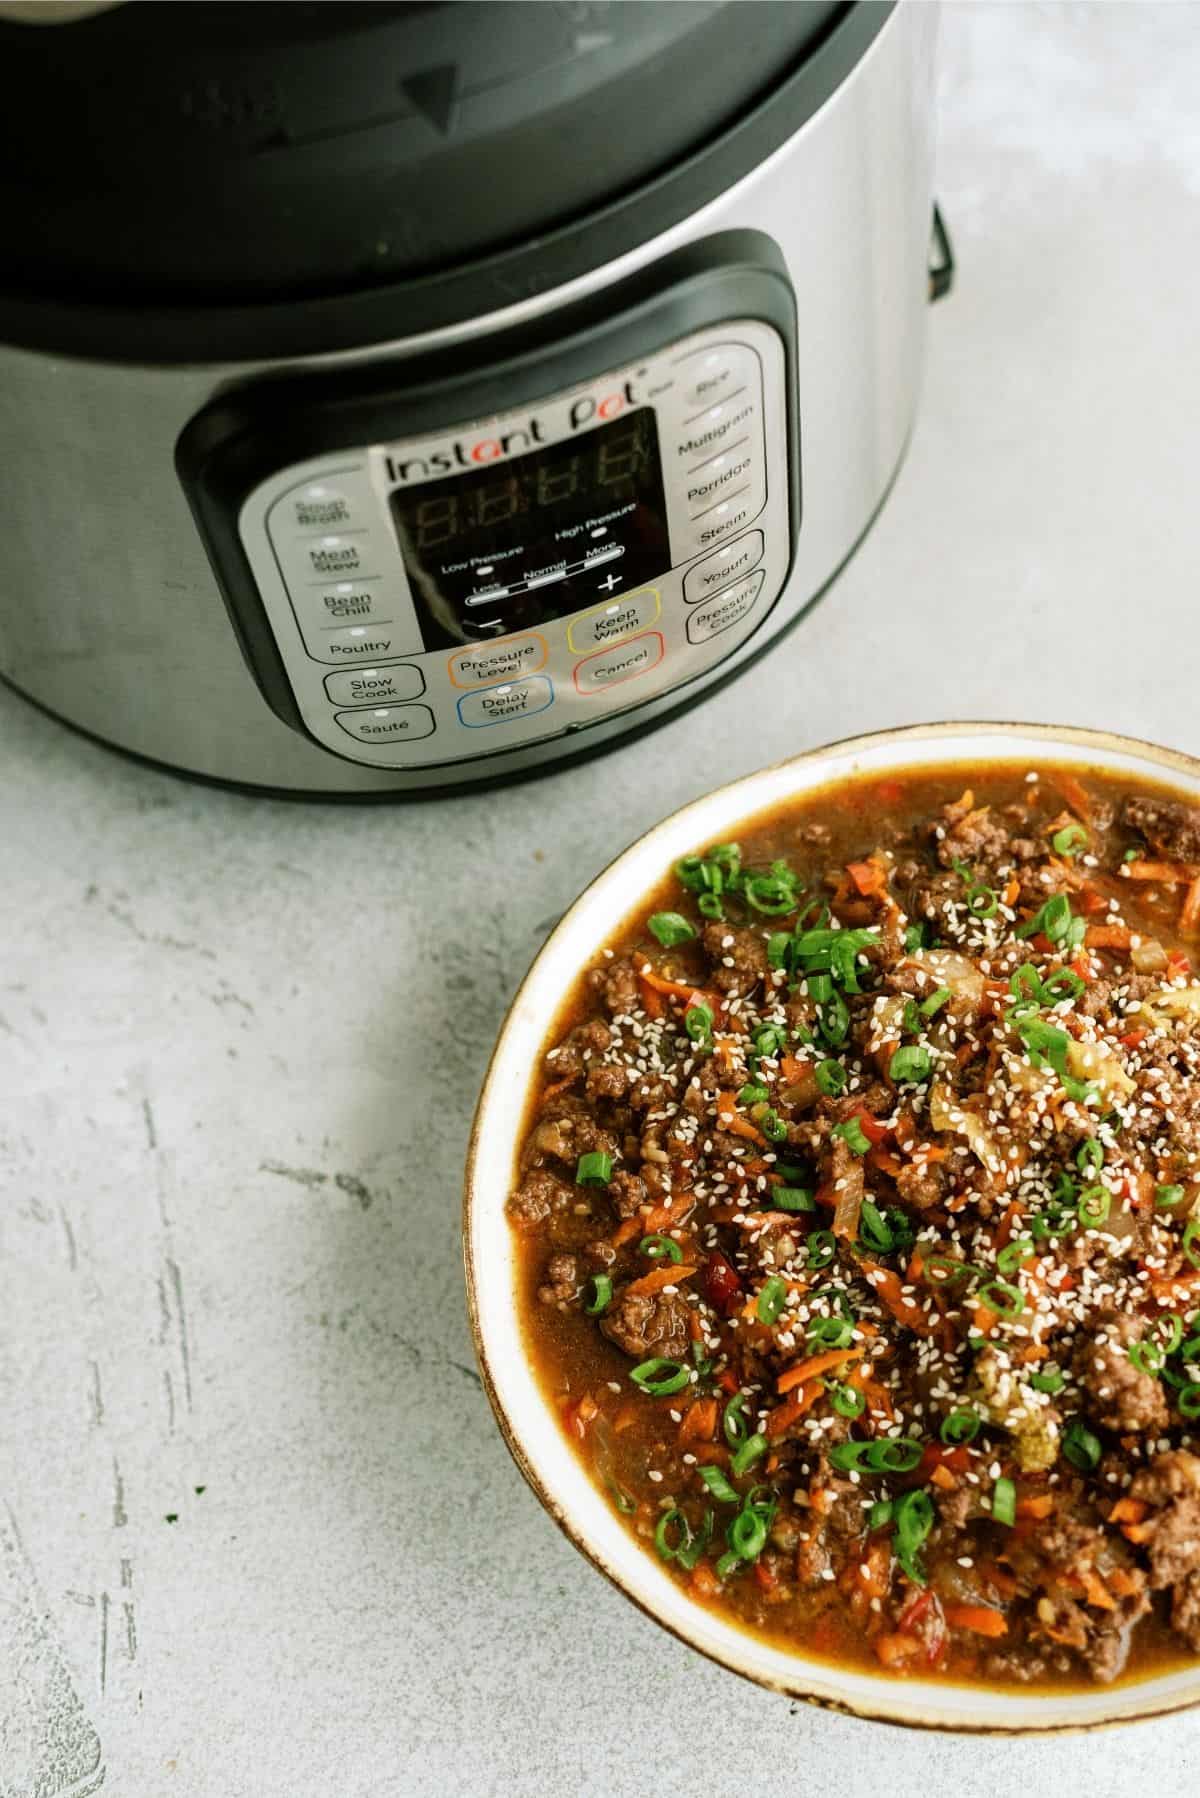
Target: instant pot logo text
x=464, y=452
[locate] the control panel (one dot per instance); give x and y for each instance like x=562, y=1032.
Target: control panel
x=437, y=598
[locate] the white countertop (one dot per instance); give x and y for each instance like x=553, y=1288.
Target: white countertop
x=240, y=1041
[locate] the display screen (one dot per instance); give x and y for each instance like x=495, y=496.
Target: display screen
x=509, y=546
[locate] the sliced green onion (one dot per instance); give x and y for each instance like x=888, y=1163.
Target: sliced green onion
x=771, y=1298
x=733, y=1423
x=853, y=1135
x=709, y=906
x=850, y=1457
x=1065, y=983
x=846, y=1400
x=1081, y=1448
x=1026, y=983
x=599, y=1291
x=944, y=1270
x=910, y=1064
x=1167, y=1195
x=1053, y=920
x=831, y=1332
x=982, y=901
x=834, y=1021
x=959, y=1427
x=1050, y=1379
x=748, y=1533
x=1147, y=1357
x=821, y=1248
x=831, y=1077
x=1189, y=1242
x=1070, y=840
x=880, y=1513
x=659, y=1376
x=661, y=1248
x=772, y=1126
x=768, y=1039
x=930, y=1007
x=772, y=894
x=753, y=1095
x=1004, y=1501
x=625, y=1505
x=672, y=1521
x=1001, y=1296
x=750, y=1451
x=793, y=1198
x=1089, y=1156
x=1168, y=1330
x=916, y=937
x=1132, y=855
x=1188, y=1399
x=913, y=1514
x=895, y=1454
x=594, y=1169
x=698, y=1022
x=1095, y=1203
x=670, y=927
x=719, y=1486
x=820, y=987
x=1013, y=1253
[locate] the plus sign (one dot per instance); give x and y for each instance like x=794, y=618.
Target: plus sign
x=609, y=583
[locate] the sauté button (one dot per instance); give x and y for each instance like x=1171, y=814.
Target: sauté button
x=487, y=663
x=388, y=724
x=596, y=673
x=716, y=571
x=610, y=623
x=375, y=686
x=510, y=701
x=725, y=609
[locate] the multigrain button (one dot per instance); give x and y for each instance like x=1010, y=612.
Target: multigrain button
x=491, y=662
x=717, y=428
x=596, y=673
x=728, y=564
x=358, y=643
x=609, y=624
x=511, y=700
x=388, y=724
x=725, y=609
x=375, y=686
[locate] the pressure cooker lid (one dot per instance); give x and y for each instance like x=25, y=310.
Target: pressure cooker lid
x=214, y=153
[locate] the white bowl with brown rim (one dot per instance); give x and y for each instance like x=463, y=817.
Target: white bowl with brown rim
x=526, y=1417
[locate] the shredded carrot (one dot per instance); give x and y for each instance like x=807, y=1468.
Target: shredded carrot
x=1189, y=917
x=887, y=1284
x=1108, y=936
x=646, y=1223
x=1169, y=1287
x=700, y=1422
x=942, y=1476
x=1012, y=891
x=1128, y=1510
x=1122, y=1582
x=1005, y=1583
x=1097, y=1592
x=816, y=1364
x=1075, y=795
x=793, y=1070
x=887, y=1164
x=652, y=1000
x=731, y=1119
x=1137, y=1532
x=1015, y=1210
x=976, y=1617
x=895, y=1648
x=784, y=1416
x=705, y=1583
x=983, y=1319
x=558, y=1086
x=657, y=1278
x=1166, y=873
x=868, y=877
x=676, y=989
x=1040, y=1505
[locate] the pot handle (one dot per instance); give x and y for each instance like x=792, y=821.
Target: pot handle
x=941, y=258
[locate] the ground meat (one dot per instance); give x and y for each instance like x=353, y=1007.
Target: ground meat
x=921, y=1184
x=978, y=838
x=1118, y=1395
x=1171, y=1485
x=600, y=1253
x=584, y=1043
x=617, y=984
x=1171, y=828
x=649, y=1093
x=627, y=1192
x=607, y=1080
x=1185, y=1611
x=932, y=897
x=738, y=957
x=646, y=1324
x=539, y=1194
x=567, y=1138
x=562, y=1280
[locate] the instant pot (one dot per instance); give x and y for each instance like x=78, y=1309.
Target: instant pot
x=401, y=396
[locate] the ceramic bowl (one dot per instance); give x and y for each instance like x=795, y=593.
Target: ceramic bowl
x=528, y=1422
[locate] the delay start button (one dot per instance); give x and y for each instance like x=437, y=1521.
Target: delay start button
x=388, y=724
x=507, y=703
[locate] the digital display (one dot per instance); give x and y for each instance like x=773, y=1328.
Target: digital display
x=506, y=547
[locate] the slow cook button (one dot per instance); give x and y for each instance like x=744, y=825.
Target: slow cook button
x=612, y=666
x=609, y=624
x=375, y=686
x=716, y=374
x=388, y=724
x=357, y=643
x=726, y=565
x=491, y=662
x=511, y=701
x=725, y=610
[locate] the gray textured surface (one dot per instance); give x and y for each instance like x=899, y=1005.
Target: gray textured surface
x=240, y=1040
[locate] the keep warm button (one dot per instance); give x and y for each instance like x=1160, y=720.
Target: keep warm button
x=595, y=673
x=502, y=705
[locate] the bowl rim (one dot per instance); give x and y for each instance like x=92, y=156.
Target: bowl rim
x=1066, y=745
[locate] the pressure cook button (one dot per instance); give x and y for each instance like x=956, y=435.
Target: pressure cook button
x=375, y=686
x=491, y=662
x=596, y=673
x=716, y=374
x=716, y=571
x=610, y=623
x=358, y=643
x=725, y=610
x=510, y=701
x=388, y=724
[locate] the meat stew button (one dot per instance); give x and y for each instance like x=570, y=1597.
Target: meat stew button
x=388, y=724
x=724, y=609
x=716, y=571
x=612, y=666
